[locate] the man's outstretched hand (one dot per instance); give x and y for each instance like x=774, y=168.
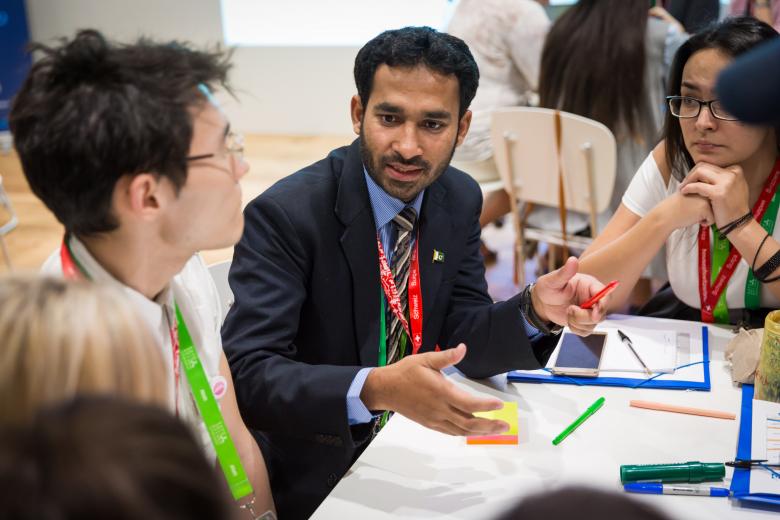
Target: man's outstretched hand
x=416, y=388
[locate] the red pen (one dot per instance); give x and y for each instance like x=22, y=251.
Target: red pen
x=599, y=295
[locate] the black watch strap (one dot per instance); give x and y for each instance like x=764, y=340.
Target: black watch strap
x=526, y=307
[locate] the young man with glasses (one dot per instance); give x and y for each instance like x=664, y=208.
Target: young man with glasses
x=125, y=145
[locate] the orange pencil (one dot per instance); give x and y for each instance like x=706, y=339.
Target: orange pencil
x=682, y=409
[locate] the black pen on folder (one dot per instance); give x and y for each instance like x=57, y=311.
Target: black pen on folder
x=625, y=339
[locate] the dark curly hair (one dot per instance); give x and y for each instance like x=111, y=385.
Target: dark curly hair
x=413, y=46
x=91, y=111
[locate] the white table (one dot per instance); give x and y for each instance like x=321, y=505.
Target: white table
x=409, y=471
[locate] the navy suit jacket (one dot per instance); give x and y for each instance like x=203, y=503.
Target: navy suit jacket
x=305, y=276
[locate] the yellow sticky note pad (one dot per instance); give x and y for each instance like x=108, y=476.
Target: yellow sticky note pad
x=508, y=414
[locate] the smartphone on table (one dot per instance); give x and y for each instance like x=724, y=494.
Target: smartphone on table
x=580, y=356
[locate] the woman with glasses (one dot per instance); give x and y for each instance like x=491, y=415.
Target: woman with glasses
x=707, y=191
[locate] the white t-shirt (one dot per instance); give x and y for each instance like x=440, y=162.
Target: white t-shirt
x=194, y=291
x=682, y=250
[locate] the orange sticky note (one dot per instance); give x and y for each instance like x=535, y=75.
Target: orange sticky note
x=508, y=414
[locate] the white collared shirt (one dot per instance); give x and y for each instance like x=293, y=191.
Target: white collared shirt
x=194, y=291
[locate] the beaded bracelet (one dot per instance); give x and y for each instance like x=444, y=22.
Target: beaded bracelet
x=768, y=268
x=734, y=224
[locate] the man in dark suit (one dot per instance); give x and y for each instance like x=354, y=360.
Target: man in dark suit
x=320, y=336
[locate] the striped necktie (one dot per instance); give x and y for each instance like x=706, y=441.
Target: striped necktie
x=402, y=253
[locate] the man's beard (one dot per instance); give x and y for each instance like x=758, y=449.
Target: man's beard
x=429, y=175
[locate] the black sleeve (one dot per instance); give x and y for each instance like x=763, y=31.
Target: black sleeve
x=493, y=332
x=268, y=277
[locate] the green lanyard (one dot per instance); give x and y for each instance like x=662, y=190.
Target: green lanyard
x=202, y=394
x=753, y=287
x=382, y=330
x=720, y=251
x=383, y=334
x=383, y=344
x=227, y=455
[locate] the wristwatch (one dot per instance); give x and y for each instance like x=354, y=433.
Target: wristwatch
x=527, y=308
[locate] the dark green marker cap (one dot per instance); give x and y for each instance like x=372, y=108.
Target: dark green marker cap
x=679, y=472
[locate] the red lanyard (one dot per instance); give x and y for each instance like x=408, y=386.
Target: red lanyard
x=709, y=293
x=413, y=293
x=176, y=360
x=72, y=270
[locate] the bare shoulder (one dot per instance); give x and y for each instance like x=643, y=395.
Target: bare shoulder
x=659, y=156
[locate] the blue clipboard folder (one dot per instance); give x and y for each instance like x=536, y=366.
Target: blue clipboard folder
x=700, y=371
x=740, y=482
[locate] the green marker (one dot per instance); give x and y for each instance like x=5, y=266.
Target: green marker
x=581, y=419
x=679, y=472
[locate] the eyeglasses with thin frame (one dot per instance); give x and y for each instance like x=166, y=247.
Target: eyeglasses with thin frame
x=234, y=148
x=685, y=107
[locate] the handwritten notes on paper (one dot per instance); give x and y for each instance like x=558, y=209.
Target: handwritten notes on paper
x=765, y=445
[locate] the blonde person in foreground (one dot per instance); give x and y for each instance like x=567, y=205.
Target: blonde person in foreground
x=65, y=338
x=709, y=169
x=126, y=146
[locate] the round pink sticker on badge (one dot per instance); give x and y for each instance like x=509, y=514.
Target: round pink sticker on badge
x=218, y=386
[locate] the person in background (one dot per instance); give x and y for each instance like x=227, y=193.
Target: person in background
x=66, y=338
x=127, y=146
x=100, y=457
x=709, y=169
x=325, y=338
x=505, y=37
x=628, y=55
x=768, y=11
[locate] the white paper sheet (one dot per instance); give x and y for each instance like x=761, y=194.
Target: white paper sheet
x=688, y=338
x=765, y=444
x=657, y=348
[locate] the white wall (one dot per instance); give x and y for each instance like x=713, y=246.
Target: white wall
x=296, y=90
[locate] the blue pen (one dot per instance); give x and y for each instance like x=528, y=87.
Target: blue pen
x=656, y=488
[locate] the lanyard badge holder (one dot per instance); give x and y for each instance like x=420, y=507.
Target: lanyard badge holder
x=390, y=293
x=718, y=263
x=203, y=396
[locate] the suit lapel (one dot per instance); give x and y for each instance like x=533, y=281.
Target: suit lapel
x=358, y=242
x=435, y=234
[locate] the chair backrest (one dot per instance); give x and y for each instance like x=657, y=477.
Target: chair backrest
x=526, y=137
x=219, y=273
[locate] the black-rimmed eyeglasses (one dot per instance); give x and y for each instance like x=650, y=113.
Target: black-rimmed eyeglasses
x=687, y=107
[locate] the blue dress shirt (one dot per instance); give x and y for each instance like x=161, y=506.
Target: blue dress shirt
x=385, y=208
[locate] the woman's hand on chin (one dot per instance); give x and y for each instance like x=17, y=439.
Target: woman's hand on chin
x=680, y=211
x=725, y=188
